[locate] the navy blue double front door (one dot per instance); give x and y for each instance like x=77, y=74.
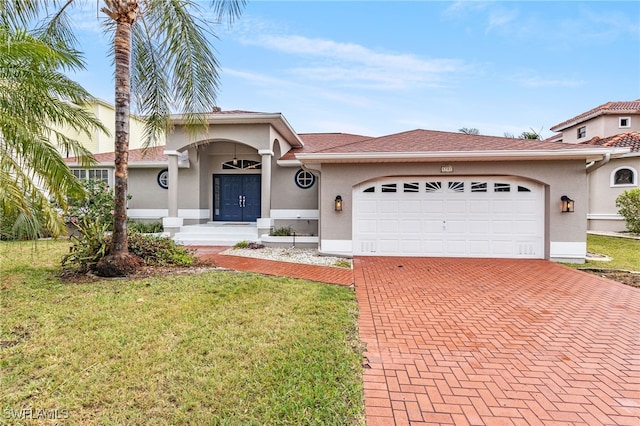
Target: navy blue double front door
x=236, y=197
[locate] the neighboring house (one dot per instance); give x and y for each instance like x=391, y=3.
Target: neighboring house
x=416, y=193
x=616, y=125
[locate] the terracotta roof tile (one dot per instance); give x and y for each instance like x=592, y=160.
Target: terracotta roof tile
x=620, y=107
x=623, y=140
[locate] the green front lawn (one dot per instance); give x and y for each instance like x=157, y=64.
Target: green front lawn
x=625, y=252
x=206, y=348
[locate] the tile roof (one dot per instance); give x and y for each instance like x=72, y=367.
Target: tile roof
x=154, y=154
x=623, y=140
x=437, y=141
x=621, y=107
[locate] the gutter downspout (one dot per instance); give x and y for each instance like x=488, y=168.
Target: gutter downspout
x=597, y=164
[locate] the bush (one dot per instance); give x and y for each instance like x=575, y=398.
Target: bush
x=89, y=247
x=97, y=206
x=282, y=232
x=629, y=207
x=144, y=227
x=94, y=243
x=159, y=250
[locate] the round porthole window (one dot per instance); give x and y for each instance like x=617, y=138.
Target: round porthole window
x=163, y=179
x=305, y=179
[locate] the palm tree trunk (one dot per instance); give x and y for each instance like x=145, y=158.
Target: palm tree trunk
x=122, y=45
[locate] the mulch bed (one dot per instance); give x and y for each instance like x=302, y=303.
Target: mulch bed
x=624, y=277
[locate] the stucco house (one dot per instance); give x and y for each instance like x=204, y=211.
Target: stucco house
x=415, y=193
x=616, y=125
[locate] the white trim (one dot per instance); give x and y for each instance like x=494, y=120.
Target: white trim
x=266, y=238
x=305, y=214
x=288, y=163
x=336, y=247
x=620, y=126
x=161, y=213
x=172, y=222
x=265, y=152
x=590, y=154
x=612, y=176
x=604, y=216
x=560, y=250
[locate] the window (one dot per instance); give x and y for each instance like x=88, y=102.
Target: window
x=624, y=122
x=478, y=186
x=523, y=189
x=456, y=186
x=370, y=189
x=624, y=176
x=582, y=132
x=389, y=187
x=163, y=179
x=433, y=186
x=241, y=165
x=411, y=187
x=501, y=187
x=305, y=179
x=92, y=174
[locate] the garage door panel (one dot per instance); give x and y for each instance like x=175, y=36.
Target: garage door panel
x=479, y=247
x=386, y=226
x=432, y=206
x=412, y=207
x=461, y=216
x=367, y=207
x=502, y=227
x=479, y=226
x=456, y=206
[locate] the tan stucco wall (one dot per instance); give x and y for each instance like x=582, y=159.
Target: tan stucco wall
x=145, y=191
x=603, y=196
x=257, y=136
x=603, y=126
x=561, y=178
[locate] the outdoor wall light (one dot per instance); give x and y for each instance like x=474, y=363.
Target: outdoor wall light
x=566, y=204
x=338, y=203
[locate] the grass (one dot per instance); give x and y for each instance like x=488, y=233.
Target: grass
x=625, y=252
x=209, y=348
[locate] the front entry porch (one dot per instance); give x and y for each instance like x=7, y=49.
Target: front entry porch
x=217, y=234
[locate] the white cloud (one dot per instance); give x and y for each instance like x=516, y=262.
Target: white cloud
x=353, y=65
x=538, y=81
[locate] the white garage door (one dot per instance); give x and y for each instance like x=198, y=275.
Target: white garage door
x=450, y=217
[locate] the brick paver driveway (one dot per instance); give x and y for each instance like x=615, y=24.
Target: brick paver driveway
x=477, y=341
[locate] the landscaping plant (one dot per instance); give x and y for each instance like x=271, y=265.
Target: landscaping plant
x=629, y=207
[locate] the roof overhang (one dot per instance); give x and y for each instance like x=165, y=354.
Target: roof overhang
x=276, y=120
x=588, y=155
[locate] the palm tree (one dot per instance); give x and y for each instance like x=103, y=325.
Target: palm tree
x=162, y=57
x=37, y=102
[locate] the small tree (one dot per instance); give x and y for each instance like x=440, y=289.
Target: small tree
x=469, y=131
x=628, y=204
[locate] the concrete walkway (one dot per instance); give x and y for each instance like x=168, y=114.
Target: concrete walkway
x=486, y=342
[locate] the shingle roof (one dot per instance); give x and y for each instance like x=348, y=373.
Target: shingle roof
x=314, y=142
x=620, y=107
x=437, y=141
x=623, y=140
x=153, y=154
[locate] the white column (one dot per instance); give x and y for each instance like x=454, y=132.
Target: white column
x=172, y=221
x=264, y=222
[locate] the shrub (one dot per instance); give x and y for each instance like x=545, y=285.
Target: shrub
x=94, y=242
x=156, y=250
x=89, y=247
x=282, y=232
x=97, y=206
x=629, y=207
x=144, y=227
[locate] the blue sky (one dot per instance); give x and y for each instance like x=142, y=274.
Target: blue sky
x=381, y=67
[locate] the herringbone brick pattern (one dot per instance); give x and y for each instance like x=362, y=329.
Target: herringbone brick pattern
x=496, y=342
x=325, y=274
